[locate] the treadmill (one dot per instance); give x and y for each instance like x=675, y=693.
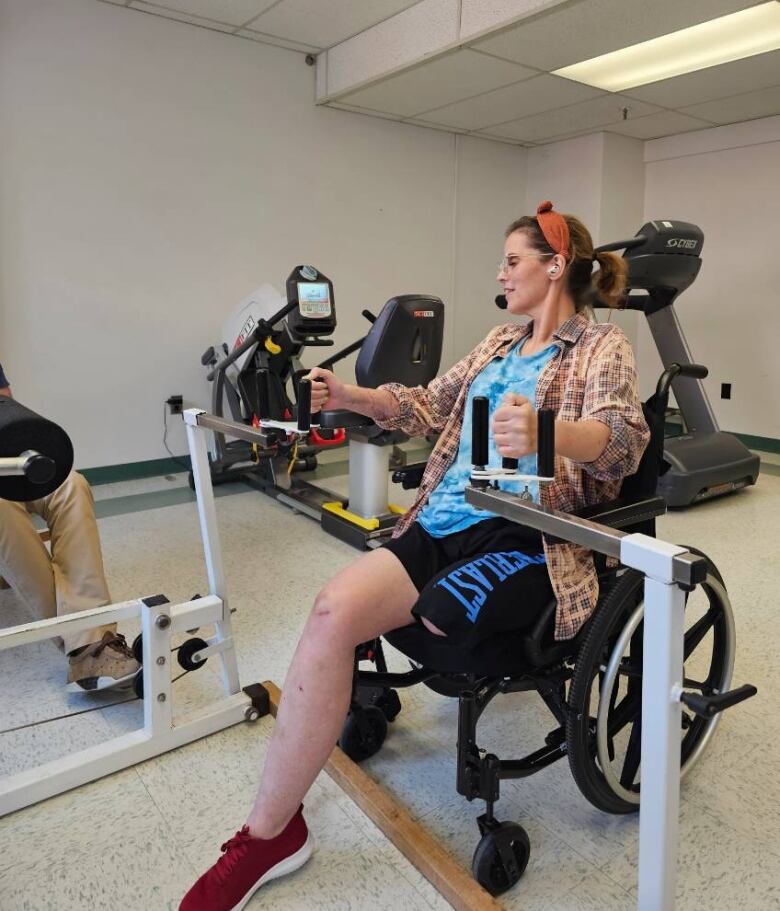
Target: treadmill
x=663, y=260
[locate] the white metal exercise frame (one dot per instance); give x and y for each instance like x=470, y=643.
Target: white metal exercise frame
x=666, y=568
x=160, y=732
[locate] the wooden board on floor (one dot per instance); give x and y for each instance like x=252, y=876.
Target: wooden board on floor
x=439, y=867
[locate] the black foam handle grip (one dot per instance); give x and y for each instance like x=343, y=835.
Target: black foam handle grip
x=509, y=464
x=545, y=441
x=479, y=431
x=304, y=405
x=22, y=429
x=697, y=371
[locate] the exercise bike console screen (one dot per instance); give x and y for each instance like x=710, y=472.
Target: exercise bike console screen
x=314, y=299
x=314, y=313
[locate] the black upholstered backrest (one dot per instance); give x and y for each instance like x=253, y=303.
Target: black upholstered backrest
x=403, y=344
x=644, y=481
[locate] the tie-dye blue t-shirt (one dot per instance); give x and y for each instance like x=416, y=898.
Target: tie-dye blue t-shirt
x=446, y=511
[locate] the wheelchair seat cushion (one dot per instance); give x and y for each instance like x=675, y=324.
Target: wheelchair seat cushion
x=488, y=580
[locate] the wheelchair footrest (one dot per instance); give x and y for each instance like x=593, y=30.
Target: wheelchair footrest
x=708, y=706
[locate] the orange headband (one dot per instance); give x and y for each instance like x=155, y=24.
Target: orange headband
x=553, y=226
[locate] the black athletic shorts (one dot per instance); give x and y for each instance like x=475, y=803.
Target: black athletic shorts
x=474, y=584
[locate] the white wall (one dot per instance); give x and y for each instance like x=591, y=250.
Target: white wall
x=726, y=181
x=491, y=187
x=600, y=179
x=152, y=174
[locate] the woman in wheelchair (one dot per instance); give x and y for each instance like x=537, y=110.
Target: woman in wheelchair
x=463, y=574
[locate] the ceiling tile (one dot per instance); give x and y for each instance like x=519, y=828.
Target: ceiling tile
x=763, y=103
x=532, y=96
x=177, y=16
x=439, y=82
x=665, y=123
x=231, y=12
x=590, y=28
x=324, y=24
x=733, y=78
x=277, y=42
x=587, y=115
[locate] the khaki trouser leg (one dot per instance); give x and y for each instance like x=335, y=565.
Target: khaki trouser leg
x=73, y=578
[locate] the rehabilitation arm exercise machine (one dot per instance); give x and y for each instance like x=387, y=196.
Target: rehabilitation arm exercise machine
x=35, y=457
x=663, y=260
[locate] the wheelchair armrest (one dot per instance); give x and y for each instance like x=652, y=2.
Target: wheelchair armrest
x=409, y=476
x=621, y=512
x=343, y=418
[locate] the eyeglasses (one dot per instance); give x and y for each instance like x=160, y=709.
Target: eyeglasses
x=504, y=265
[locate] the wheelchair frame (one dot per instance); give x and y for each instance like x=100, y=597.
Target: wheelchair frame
x=670, y=572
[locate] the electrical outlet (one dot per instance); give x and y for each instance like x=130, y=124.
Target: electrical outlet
x=175, y=403
x=725, y=390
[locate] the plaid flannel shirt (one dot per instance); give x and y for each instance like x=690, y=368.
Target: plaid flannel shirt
x=592, y=376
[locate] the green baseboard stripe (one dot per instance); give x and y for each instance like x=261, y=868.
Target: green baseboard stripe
x=762, y=444
x=132, y=471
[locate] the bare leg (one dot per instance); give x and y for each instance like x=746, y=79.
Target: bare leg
x=369, y=598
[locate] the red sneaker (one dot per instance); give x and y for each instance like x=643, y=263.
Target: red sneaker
x=246, y=864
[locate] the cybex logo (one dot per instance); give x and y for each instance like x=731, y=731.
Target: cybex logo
x=248, y=326
x=419, y=313
x=683, y=242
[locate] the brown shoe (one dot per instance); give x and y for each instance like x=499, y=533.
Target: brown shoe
x=104, y=664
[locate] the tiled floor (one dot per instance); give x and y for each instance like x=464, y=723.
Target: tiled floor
x=137, y=839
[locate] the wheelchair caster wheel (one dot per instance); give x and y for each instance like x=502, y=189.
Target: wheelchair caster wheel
x=187, y=650
x=361, y=738
x=138, y=683
x=138, y=648
x=501, y=857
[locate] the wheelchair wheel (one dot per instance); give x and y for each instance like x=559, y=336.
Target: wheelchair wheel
x=604, y=726
x=501, y=857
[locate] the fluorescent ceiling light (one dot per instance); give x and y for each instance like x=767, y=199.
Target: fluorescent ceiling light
x=743, y=34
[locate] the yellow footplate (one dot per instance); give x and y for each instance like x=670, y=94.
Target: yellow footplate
x=338, y=510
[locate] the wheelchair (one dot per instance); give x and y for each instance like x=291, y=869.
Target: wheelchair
x=591, y=683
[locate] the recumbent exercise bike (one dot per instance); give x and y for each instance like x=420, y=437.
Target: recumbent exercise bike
x=255, y=380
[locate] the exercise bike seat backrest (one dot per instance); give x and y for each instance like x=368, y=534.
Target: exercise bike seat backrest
x=403, y=344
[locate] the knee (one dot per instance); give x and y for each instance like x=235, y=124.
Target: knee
x=331, y=612
x=74, y=489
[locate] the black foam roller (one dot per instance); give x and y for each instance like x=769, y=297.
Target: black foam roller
x=22, y=429
x=479, y=431
x=304, y=405
x=546, y=443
